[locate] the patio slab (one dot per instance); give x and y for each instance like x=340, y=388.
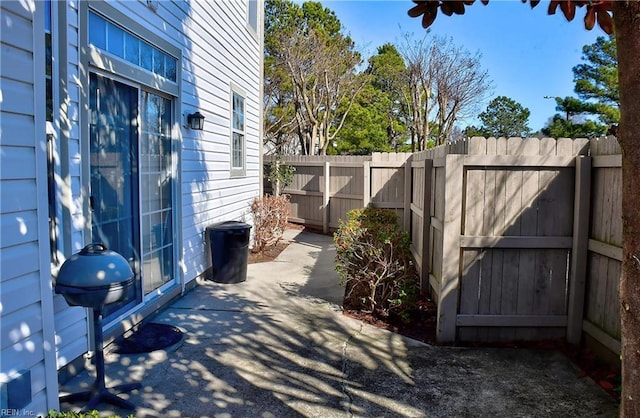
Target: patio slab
x=278, y=345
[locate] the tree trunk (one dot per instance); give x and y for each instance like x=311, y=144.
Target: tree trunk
x=627, y=22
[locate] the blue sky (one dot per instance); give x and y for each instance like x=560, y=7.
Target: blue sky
x=527, y=53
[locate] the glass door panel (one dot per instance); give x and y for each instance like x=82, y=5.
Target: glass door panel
x=114, y=174
x=156, y=171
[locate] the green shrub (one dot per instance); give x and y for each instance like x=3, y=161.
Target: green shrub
x=374, y=262
x=280, y=175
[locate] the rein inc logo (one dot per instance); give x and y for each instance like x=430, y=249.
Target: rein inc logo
x=13, y=412
x=15, y=394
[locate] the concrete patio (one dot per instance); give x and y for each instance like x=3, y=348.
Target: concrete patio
x=277, y=345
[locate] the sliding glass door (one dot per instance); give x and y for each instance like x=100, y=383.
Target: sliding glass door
x=132, y=174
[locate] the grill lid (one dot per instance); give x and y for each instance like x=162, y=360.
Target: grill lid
x=94, y=267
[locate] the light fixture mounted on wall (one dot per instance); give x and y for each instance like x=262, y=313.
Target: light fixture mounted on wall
x=195, y=121
x=153, y=4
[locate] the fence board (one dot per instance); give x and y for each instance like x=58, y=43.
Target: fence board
x=448, y=301
x=577, y=280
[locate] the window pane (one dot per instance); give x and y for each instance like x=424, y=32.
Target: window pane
x=115, y=41
x=97, y=31
x=132, y=49
x=146, y=56
x=49, y=54
x=111, y=38
x=158, y=204
x=49, y=99
x=170, y=70
x=253, y=14
x=47, y=16
x=158, y=62
x=236, y=152
x=238, y=112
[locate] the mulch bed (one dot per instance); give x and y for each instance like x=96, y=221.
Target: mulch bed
x=268, y=254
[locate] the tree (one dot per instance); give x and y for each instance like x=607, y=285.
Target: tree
x=365, y=129
x=472, y=130
x=416, y=94
x=596, y=84
x=444, y=83
x=625, y=16
x=279, y=111
x=561, y=127
x=314, y=65
x=504, y=117
x=597, y=80
x=460, y=85
x=387, y=70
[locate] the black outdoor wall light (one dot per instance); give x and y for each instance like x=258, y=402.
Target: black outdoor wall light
x=195, y=121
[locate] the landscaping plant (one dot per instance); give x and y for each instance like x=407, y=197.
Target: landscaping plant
x=374, y=262
x=280, y=175
x=270, y=215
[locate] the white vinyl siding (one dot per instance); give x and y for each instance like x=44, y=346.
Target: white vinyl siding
x=26, y=326
x=222, y=55
x=215, y=51
x=71, y=323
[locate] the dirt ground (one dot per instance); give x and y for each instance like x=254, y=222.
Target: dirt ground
x=423, y=328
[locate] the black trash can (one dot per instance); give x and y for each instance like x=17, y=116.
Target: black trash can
x=229, y=246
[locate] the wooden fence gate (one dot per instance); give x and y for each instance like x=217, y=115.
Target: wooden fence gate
x=507, y=235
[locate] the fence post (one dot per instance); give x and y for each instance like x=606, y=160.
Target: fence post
x=326, y=198
x=451, y=229
x=408, y=191
x=425, y=261
x=577, y=280
x=276, y=192
x=366, y=193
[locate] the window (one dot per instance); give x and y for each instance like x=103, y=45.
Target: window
x=252, y=14
x=237, y=135
x=48, y=59
x=51, y=143
x=108, y=37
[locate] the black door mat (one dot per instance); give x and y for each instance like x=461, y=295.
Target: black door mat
x=147, y=338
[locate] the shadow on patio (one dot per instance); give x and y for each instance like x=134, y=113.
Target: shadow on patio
x=277, y=345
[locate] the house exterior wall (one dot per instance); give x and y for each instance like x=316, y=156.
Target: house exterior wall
x=220, y=53
x=26, y=327
x=220, y=58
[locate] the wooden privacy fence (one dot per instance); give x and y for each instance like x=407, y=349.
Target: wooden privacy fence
x=515, y=239
x=325, y=188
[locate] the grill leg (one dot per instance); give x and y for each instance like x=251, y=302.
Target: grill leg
x=100, y=393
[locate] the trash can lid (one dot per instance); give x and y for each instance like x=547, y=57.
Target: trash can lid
x=230, y=226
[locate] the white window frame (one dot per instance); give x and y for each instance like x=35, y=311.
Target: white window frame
x=237, y=171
